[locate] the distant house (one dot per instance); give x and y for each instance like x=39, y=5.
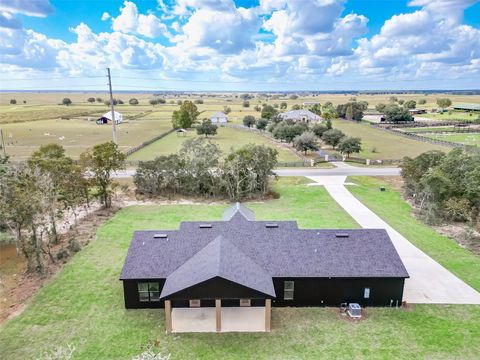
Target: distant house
x=417, y=111
x=467, y=107
x=218, y=118
x=241, y=263
x=310, y=103
x=108, y=117
x=300, y=115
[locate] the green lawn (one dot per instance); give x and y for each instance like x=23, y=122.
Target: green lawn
x=83, y=305
x=379, y=144
x=397, y=213
x=465, y=138
x=226, y=139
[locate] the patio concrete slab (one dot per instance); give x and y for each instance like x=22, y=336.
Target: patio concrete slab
x=429, y=282
x=234, y=319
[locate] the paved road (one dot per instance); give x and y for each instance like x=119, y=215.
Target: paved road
x=345, y=171
x=429, y=281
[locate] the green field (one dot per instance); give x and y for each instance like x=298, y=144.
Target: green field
x=398, y=214
x=379, y=144
x=226, y=139
x=83, y=305
x=465, y=138
x=25, y=125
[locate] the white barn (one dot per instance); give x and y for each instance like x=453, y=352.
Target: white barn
x=219, y=117
x=118, y=116
x=300, y=115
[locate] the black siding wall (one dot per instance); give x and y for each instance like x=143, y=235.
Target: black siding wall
x=308, y=292
x=332, y=292
x=130, y=294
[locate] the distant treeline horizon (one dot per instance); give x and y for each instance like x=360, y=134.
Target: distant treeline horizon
x=299, y=92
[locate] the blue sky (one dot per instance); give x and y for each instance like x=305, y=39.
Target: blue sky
x=240, y=45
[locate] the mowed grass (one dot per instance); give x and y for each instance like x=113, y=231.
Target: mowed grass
x=379, y=144
x=398, y=214
x=83, y=305
x=226, y=138
x=465, y=138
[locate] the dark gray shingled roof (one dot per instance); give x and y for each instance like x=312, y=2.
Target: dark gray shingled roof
x=283, y=251
x=219, y=258
x=238, y=208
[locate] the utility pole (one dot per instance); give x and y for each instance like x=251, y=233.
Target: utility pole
x=114, y=125
x=3, y=144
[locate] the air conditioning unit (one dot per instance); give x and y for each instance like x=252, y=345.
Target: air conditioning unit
x=354, y=310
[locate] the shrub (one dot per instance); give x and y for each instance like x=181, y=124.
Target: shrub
x=133, y=101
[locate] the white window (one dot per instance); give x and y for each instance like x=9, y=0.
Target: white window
x=245, y=302
x=148, y=291
x=288, y=289
x=366, y=293
x=194, y=303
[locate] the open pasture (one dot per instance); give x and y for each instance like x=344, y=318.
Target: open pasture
x=380, y=144
x=226, y=139
x=465, y=138
x=21, y=139
x=42, y=120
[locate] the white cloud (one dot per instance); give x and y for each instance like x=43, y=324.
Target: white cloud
x=40, y=8
x=223, y=31
x=186, y=7
x=292, y=41
x=130, y=21
x=419, y=40
x=29, y=49
x=117, y=50
x=7, y=20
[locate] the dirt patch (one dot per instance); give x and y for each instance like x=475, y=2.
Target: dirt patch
x=396, y=182
x=17, y=286
x=463, y=234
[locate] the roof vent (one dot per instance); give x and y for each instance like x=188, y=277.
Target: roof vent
x=205, y=226
x=271, y=225
x=160, y=236
x=342, y=235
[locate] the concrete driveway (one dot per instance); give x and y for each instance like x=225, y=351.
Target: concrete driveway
x=234, y=319
x=429, y=282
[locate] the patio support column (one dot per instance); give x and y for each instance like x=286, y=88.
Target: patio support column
x=268, y=314
x=168, y=316
x=218, y=314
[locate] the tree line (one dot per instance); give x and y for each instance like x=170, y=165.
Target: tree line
x=199, y=169
x=35, y=195
x=446, y=187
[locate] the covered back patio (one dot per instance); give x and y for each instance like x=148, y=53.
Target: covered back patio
x=218, y=318
x=219, y=289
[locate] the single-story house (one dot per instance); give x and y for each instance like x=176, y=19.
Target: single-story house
x=219, y=117
x=108, y=117
x=310, y=103
x=466, y=107
x=300, y=115
x=417, y=111
x=240, y=262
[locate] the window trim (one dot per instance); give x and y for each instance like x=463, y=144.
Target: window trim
x=151, y=288
x=288, y=290
x=366, y=292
